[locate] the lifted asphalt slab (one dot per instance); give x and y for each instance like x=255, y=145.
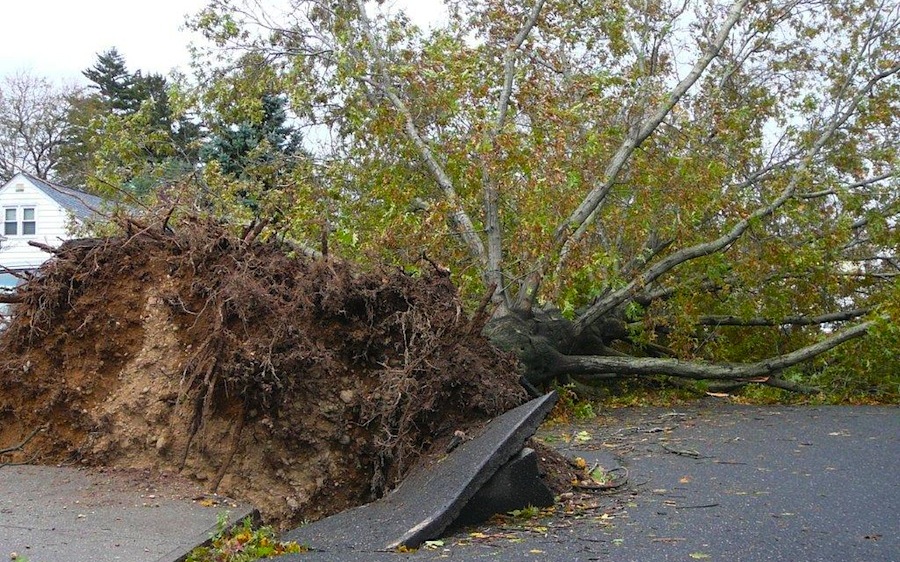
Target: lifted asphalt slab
x=431, y=498
x=59, y=514
x=713, y=482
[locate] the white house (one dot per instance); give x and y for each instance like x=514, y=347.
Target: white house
x=37, y=210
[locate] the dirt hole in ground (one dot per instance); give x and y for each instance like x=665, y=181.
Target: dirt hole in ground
x=303, y=386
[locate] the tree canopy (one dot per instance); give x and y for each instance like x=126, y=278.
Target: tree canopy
x=32, y=124
x=126, y=131
x=697, y=189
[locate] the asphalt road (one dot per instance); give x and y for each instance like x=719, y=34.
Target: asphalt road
x=713, y=482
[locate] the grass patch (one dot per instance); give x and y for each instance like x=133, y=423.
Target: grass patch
x=242, y=543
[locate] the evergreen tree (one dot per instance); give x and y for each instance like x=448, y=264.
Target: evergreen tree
x=256, y=155
x=126, y=131
x=115, y=85
x=241, y=148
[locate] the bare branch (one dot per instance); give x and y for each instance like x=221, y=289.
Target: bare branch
x=854, y=185
x=24, y=442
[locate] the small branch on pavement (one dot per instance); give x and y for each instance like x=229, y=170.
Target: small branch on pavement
x=683, y=452
x=20, y=447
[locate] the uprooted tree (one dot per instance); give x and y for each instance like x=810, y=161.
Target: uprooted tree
x=643, y=188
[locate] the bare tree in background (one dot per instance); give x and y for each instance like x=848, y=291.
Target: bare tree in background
x=33, y=116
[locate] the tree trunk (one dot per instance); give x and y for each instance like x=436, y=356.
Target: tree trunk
x=548, y=346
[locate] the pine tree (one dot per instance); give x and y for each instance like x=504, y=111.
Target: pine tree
x=126, y=104
x=115, y=85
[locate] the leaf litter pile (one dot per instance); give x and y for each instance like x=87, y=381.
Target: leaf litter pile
x=303, y=386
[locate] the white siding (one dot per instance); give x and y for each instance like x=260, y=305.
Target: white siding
x=51, y=224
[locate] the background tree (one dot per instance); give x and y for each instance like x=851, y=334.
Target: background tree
x=239, y=148
x=115, y=86
x=252, y=153
x=127, y=131
x=257, y=157
x=32, y=124
x=691, y=189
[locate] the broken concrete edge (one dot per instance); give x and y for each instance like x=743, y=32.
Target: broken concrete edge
x=235, y=517
x=432, y=527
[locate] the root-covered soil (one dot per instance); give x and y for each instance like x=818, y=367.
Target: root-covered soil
x=301, y=385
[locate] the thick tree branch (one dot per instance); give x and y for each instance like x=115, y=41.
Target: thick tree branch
x=589, y=365
x=459, y=219
x=573, y=227
x=615, y=298
x=494, y=273
x=509, y=65
x=726, y=320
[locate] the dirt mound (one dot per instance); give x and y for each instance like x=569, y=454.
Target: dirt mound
x=301, y=385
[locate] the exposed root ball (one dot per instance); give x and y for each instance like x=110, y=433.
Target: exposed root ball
x=303, y=386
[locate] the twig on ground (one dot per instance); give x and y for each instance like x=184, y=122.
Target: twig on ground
x=683, y=452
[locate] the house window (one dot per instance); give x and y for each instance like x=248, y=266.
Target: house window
x=28, y=224
x=10, y=223
x=12, y=216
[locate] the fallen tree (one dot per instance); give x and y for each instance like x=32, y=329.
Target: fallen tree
x=694, y=190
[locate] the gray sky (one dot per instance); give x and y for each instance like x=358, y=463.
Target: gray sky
x=58, y=39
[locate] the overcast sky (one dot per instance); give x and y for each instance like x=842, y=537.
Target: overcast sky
x=60, y=38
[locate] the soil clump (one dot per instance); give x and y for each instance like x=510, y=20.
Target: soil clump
x=303, y=386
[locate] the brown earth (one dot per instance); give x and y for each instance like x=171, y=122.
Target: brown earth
x=303, y=386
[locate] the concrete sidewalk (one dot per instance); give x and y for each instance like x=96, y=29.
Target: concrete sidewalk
x=58, y=514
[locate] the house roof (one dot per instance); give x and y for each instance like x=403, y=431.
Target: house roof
x=82, y=205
